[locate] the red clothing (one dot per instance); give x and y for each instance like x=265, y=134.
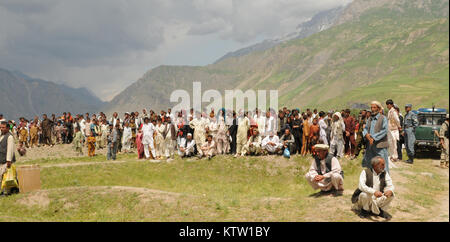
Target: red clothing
x=350, y=124
x=140, y=146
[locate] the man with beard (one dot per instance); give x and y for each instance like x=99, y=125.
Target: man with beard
x=325, y=172
x=375, y=190
x=375, y=133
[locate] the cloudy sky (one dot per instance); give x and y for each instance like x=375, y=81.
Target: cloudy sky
x=108, y=44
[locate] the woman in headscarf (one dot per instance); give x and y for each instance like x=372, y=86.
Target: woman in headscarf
x=337, y=135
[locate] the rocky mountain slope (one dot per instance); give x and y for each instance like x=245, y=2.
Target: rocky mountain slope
x=23, y=96
x=374, y=50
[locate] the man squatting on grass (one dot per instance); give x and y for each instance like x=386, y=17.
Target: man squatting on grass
x=325, y=172
x=375, y=190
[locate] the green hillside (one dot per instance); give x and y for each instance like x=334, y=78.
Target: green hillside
x=392, y=49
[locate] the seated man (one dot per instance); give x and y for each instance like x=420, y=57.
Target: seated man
x=253, y=145
x=271, y=144
x=375, y=191
x=186, y=146
x=325, y=172
x=288, y=141
x=208, y=148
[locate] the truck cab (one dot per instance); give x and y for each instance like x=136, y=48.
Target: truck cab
x=430, y=121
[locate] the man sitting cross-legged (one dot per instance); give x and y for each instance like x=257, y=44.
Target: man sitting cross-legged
x=271, y=144
x=208, y=149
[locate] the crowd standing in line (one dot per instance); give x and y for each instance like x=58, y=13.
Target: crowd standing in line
x=327, y=136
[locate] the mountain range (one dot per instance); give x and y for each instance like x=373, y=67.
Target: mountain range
x=343, y=57
x=23, y=96
x=368, y=50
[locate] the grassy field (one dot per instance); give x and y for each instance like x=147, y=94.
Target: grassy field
x=222, y=189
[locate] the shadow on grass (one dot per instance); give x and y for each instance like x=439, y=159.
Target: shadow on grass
x=369, y=217
x=321, y=194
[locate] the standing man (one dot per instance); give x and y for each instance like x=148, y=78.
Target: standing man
x=147, y=139
x=375, y=133
x=232, y=130
x=46, y=127
x=444, y=137
x=394, y=126
x=7, y=148
x=359, y=134
x=410, y=123
x=323, y=127
x=297, y=132
x=349, y=136
x=243, y=127
x=401, y=139
x=112, y=143
x=199, y=126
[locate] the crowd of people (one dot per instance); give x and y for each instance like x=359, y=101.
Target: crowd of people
x=327, y=136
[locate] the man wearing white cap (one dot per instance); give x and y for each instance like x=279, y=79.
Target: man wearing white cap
x=325, y=172
x=187, y=146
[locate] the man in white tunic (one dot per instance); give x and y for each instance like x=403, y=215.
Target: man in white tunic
x=393, y=126
x=160, y=144
x=271, y=144
x=325, y=172
x=337, y=135
x=147, y=138
x=270, y=124
x=208, y=148
x=323, y=127
x=222, y=139
x=375, y=191
x=241, y=137
x=199, y=126
x=253, y=145
x=126, y=138
x=261, y=122
x=187, y=146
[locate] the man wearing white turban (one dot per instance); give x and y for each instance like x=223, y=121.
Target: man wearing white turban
x=376, y=132
x=325, y=172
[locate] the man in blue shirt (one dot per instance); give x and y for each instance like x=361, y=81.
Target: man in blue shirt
x=375, y=133
x=410, y=123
